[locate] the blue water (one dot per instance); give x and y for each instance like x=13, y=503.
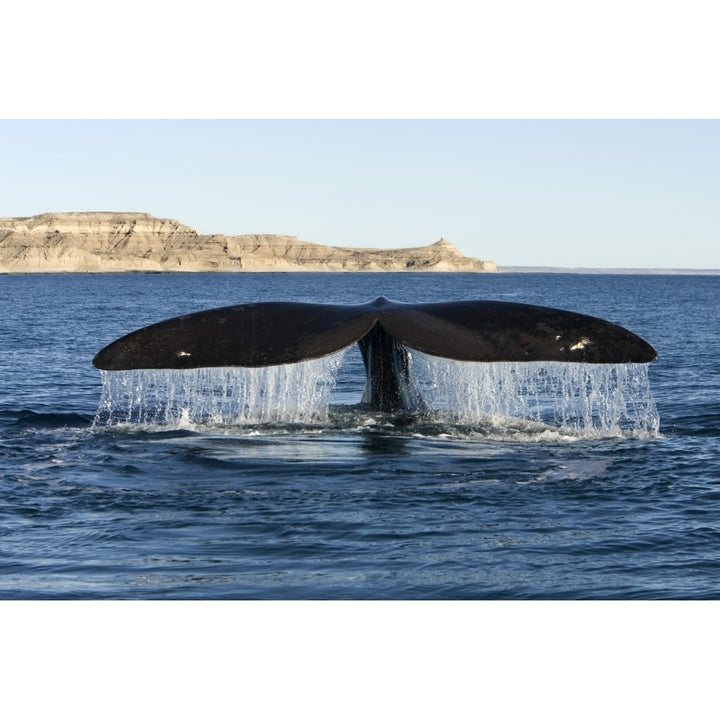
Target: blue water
x=351, y=504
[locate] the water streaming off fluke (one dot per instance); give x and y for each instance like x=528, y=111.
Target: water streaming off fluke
x=581, y=399
x=292, y=393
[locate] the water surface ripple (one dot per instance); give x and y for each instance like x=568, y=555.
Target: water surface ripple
x=359, y=505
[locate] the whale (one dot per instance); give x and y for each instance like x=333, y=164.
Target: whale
x=276, y=333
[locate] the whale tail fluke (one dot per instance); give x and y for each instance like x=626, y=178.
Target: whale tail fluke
x=275, y=333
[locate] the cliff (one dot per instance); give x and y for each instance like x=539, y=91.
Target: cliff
x=104, y=242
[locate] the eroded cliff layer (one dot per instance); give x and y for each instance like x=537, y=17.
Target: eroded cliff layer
x=99, y=242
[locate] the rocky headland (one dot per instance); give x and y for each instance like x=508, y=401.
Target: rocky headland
x=108, y=242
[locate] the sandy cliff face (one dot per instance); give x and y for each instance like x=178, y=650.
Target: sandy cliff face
x=138, y=242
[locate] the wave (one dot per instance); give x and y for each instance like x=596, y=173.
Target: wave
x=51, y=419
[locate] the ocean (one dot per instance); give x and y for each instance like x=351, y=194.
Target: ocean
x=106, y=493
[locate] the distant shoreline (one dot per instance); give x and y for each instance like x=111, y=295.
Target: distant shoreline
x=606, y=271
x=517, y=270
x=108, y=242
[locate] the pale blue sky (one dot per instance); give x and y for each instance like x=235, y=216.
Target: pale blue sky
x=565, y=193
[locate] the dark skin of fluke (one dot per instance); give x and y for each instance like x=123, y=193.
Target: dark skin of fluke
x=275, y=333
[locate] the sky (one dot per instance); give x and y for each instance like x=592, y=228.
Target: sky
x=567, y=193
x=388, y=123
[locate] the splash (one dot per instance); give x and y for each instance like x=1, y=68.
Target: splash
x=582, y=399
x=297, y=393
